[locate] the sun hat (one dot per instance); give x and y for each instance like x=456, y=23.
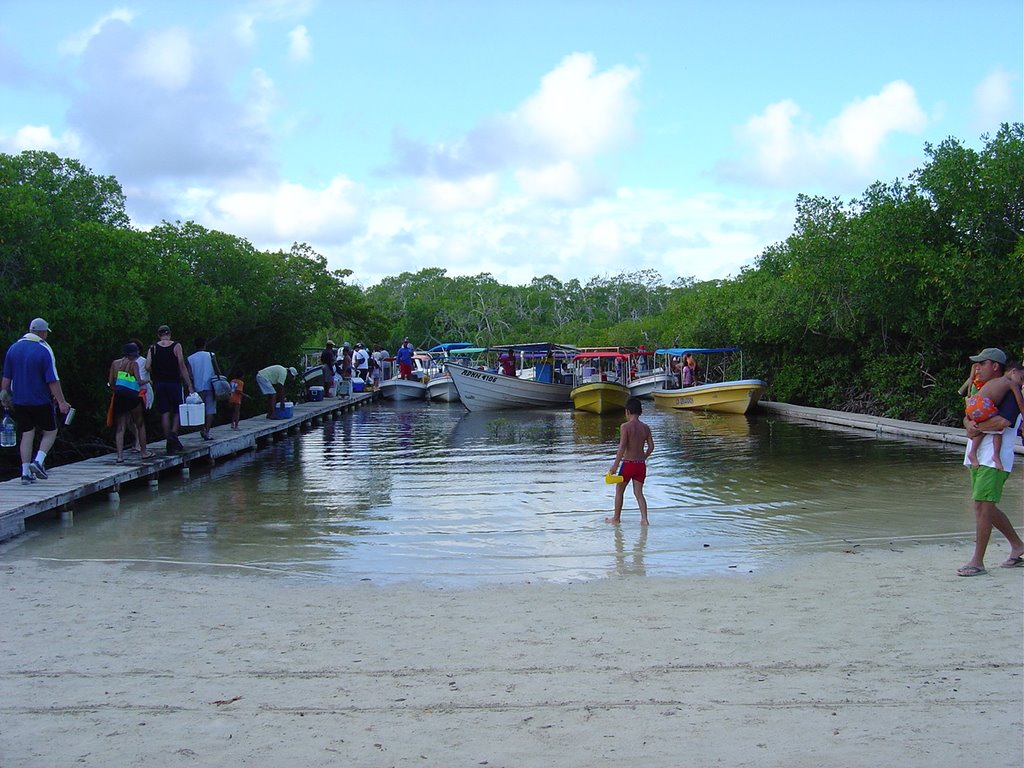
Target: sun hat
x=293, y=372
x=990, y=353
x=39, y=325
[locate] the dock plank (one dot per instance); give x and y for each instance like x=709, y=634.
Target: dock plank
x=69, y=483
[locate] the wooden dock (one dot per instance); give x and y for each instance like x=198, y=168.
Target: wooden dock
x=70, y=483
x=954, y=436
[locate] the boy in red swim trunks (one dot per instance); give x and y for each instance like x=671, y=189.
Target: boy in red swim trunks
x=636, y=444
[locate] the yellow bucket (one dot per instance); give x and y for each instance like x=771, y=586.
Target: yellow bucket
x=613, y=479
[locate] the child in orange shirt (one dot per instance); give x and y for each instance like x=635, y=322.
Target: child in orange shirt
x=235, y=401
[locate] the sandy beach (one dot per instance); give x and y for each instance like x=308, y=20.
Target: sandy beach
x=865, y=657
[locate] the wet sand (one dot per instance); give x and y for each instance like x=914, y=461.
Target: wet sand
x=865, y=657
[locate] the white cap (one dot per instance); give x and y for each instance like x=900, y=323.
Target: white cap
x=39, y=325
x=293, y=372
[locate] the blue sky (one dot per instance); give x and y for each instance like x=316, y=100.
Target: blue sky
x=576, y=139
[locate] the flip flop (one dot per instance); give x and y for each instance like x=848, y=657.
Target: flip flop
x=119, y=461
x=1013, y=562
x=970, y=570
x=147, y=455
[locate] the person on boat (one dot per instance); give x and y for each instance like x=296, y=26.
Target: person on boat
x=404, y=358
x=641, y=359
x=507, y=360
x=636, y=444
x=686, y=374
x=987, y=480
x=691, y=362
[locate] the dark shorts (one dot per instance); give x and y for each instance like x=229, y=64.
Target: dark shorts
x=167, y=396
x=126, y=403
x=633, y=470
x=31, y=417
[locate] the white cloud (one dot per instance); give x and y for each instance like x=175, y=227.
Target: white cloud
x=164, y=59
x=287, y=213
x=40, y=137
x=300, y=45
x=782, y=148
x=576, y=115
x=996, y=100
x=440, y=196
x=579, y=112
x=560, y=182
x=77, y=43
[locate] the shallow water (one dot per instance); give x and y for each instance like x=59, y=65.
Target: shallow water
x=431, y=494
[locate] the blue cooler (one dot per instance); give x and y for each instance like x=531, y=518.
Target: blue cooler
x=316, y=394
x=358, y=385
x=284, y=411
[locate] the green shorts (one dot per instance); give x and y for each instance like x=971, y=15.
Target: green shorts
x=987, y=483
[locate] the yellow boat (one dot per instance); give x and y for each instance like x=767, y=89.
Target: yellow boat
x=726, y=397
x=600, y=397
x=735, y=396
x=602, y=382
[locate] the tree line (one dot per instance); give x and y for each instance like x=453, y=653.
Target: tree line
x=870, y=305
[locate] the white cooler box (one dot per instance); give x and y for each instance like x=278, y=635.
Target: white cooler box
x=192, y=414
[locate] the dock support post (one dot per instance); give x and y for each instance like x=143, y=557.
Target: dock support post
x=115, y=493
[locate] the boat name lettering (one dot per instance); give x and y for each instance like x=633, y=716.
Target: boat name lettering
x=684, y=401
x=478, y=375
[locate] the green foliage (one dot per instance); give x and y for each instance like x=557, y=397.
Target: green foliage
x=871, y=305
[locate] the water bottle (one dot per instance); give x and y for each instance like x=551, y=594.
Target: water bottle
x=8, y=432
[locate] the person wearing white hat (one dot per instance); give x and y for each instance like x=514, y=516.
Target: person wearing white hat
x=30, y=383
x=271, y=381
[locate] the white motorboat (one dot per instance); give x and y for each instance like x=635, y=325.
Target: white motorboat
x=646, y=384
x=488, y=389
x=412, y=388
x=441, y=389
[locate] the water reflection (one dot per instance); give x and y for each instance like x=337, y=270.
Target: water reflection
x=431, y=493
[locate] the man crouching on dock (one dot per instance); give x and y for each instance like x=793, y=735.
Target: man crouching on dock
x=636, y=444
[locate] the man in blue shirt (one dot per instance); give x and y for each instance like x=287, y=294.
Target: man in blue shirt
x=31, y=383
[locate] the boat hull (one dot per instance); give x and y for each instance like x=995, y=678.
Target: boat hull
x=727, y=397
x=480, y=390
x=600, y=397
x=442, y=390
x=646, y=386
x=403, y=389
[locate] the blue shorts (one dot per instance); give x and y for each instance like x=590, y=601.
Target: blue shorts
x=167, y=396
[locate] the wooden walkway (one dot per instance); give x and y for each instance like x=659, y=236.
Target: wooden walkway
x=70, y=483
x=952, y=435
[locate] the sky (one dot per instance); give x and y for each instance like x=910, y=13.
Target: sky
x=572, y=138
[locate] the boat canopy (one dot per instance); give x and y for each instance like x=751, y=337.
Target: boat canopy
x=606, y=355
x=450, y=346
x=680, y=351
x=537, y=349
